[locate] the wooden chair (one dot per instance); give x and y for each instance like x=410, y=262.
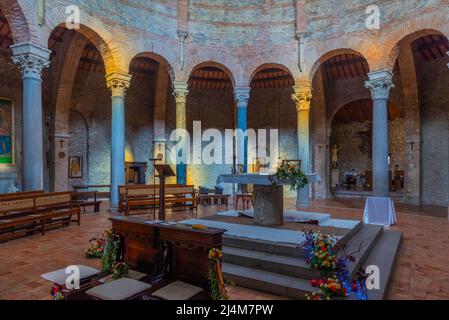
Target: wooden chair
x=86, y=199
x=244, y=195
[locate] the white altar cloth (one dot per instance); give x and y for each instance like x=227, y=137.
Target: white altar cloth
x=379, y=211
x=259, y=179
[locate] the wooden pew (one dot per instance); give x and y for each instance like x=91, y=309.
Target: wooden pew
x=25, y=214
x=86, y=199
x=18, y=217
x=57, y=208
x=20, y=194
x=138, y=197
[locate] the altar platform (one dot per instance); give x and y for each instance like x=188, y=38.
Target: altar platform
x=271, y=259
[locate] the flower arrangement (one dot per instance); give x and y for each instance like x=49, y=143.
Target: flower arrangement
x=215, y=276
x=293, y=174
x=111, y=252
x=120, y=270
x=326, y=256
x=97, y=243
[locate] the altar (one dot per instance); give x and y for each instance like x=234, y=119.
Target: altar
x=268, y=195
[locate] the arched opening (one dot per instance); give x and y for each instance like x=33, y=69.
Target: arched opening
x=10, y=115
x=76, y=87
x=338, y=80
x=271, y=107
x=210, y=105
x=147, y=98
x=422, y=69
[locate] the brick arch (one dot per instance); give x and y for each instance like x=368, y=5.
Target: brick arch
x=329, y=55
x=268, y=66
x=285, y=59
x=160, y=59
x=22, y=20
x=410, y=30
x=220, y=59
x=322, y=51
x=216, y=65
x=94, y=30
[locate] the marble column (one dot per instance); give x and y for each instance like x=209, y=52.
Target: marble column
x=242, y=98
x=31, y=59
x=118, y=83
x=380, y=83
x=302, y=98
x=181, y=90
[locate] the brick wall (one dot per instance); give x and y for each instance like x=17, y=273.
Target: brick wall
x=434, y=97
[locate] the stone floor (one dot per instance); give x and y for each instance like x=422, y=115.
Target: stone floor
x=421, y=270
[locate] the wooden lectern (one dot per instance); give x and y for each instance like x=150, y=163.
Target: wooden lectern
x=164, y=171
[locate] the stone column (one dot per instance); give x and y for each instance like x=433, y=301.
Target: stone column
x=31, y=59
x=380, y=83
x=302, y=98
x=180, y=92
x=118, y=83
x=242, y=98
x=61, y=150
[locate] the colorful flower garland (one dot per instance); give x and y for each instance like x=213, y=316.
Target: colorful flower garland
x=323, y=256
x=215, y=276
x=111, y=252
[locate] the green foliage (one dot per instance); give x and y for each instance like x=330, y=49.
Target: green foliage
x=293, y=175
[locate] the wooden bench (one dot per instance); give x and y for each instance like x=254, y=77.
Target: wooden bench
x=20, y=194
x=95, y=187
x=26, y=214
x=205, y=199
x=86, y=199
x=142, y=197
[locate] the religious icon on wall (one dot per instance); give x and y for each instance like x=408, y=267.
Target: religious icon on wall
x=6, y=131
x=75, y=167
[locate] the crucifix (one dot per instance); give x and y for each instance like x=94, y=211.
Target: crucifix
x=61, y=143
x=412, y=144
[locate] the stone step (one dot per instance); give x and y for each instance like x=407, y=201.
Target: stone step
x=383, y=255
x=282, y=249
x=280, y=264
x=261, y=280
x=360, y=245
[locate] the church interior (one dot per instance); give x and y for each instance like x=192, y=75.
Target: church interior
x=100, y=104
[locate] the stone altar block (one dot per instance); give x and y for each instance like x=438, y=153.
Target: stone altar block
x=268, y=198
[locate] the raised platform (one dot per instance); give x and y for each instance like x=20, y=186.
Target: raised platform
x=272, y=260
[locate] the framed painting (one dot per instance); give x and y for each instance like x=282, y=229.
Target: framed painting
x=75, y=167
x=6, y=131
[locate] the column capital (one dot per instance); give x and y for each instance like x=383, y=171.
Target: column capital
x=242, y=95
x=380, y=83
x=31, y=59
x=180, y=91
x=118, y=83
x=302, y=97
x=182, y=34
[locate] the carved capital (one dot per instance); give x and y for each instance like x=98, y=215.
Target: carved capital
x=302, y=97
x=180, y=91
x=31, y=59
x=242, y=95
x=380, y=83
x=118, y=83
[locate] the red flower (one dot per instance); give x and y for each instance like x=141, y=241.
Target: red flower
x=314, y=283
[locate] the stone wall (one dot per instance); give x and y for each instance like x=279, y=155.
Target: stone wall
x=354, y=155
x=434, y=96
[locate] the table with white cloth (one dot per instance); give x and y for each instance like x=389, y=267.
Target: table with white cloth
x=268, y=195
x=379, y=211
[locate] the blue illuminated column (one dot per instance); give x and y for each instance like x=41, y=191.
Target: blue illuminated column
x=242, y=98
x=181, y=90
x=302, y=98
x=380, y=83
x=31, y=59
x=118, y=83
